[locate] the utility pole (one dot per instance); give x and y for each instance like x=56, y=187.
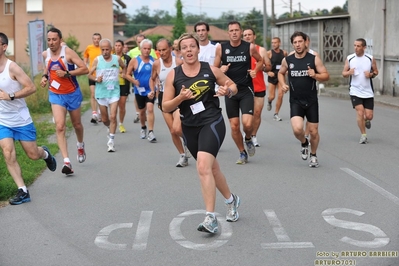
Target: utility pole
x=273, y=15
x=291, y=8
x=264, y=25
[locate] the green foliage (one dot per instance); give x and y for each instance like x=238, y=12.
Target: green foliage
x=254, y=20
x=180, y=25
x=155, y=38
x=73, y=43
x=42, y=118
x=337, y=10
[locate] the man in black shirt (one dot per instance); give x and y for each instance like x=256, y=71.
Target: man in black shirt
x=234, y=59
x=304, y=69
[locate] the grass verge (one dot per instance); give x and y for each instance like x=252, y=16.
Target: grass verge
x=41, y=114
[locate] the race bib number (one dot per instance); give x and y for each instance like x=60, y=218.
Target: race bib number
x=197, y=108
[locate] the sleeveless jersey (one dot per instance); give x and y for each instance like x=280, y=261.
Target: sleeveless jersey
x=302, y=87
x=360, y=86
x=207, y=53
x=203, y=88
x=60, y=85
x=259, y=80
x=275, y=60
x=109, y=87
x=12, y=113
x=239, y=59
x=126, y=59
x=143, y=75
x=164, y=71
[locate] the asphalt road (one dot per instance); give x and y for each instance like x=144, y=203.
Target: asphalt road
x=134, y=207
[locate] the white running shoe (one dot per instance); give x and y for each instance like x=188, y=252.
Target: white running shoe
x=313, y=162
x=363, y=139
x=183, y=161
x=151, y=137
x=255, y=141
x=143, y=133
x=277, y=118
x=111, y=145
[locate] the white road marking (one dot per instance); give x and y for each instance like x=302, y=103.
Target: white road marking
x=380, y=238
x=372, y=185
x=281, y=234
x=101, y=240
x=143, y=231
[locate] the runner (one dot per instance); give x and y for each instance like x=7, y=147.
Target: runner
x=190, y=87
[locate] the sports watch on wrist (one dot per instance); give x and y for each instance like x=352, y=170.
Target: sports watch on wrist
x=67, y=74
x=12, y=96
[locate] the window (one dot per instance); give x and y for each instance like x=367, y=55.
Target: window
x=34, y=5
x=8, y=7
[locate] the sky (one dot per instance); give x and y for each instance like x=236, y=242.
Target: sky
x=214, y=8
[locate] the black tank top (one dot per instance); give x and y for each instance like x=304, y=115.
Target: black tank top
x=302, y=87
x=276, y=59
x=240, y=62
x=203, y=88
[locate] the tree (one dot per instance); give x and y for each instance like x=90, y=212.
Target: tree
x=345, y=7
x=180, y=25
x=337, y=10
x=73, y=43
x=254, y=20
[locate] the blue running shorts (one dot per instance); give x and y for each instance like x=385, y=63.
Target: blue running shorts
x=70, y=101
x=24, y=133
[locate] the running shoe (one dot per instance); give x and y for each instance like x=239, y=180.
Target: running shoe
x=94, y=118
x=122, y=129
x=305, y=152
x=67, y=169
x=368, y=124
x=363, y=139
x=20, y=197
x=313, y=162
x=277, y=118
x=243, y=158
x=232, y=214
x=255, y=141
x=111, y=145
x=50, y=161
x=143, y=133
x=137, y=119
x=209, y=225
x=250, y=147
x=183, y=161
x=187, y=151
x=269, y=106
x=81, y=157
x=151, y=137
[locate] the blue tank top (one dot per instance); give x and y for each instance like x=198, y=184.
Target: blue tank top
x=143, y=75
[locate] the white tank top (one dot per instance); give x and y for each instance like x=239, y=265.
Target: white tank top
x=12, y=113
x=164, y=71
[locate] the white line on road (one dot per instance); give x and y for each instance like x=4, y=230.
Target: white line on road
x=372, y=185
x=284, y=241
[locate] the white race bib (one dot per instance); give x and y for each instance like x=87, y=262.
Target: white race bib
x=197, y=107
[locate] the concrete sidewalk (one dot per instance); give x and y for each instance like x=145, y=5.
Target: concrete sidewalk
x=343, y=92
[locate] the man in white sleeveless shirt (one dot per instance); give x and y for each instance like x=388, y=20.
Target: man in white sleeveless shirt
x=361, y=68
x=16, y=122
x=160, y=69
